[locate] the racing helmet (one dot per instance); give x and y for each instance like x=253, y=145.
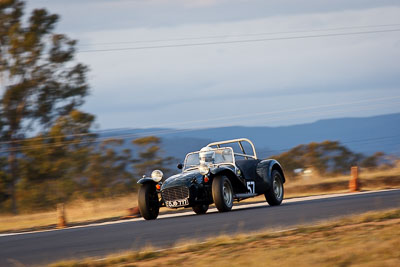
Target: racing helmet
x=206, y=155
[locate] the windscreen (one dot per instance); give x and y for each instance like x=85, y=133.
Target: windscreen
x=219, y=156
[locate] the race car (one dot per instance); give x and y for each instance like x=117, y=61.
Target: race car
x=215, y=174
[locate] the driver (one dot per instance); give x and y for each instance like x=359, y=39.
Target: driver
x=206, y=155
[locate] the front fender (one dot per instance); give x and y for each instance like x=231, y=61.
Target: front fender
x=146, y=180
x=219, y=169
x=238, y=183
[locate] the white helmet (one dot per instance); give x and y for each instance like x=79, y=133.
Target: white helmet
x=206, y=155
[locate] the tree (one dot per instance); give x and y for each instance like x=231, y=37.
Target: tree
x=51, y=164
x=108, y=172
x=149, y=156
x=68, y=163
x=374, y=160
x=325, y=157
x=4, y=184
x=40, y=79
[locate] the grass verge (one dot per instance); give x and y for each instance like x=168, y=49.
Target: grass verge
x=83, y=211
x=77, y=212
x=371, y=239
x=369, y=180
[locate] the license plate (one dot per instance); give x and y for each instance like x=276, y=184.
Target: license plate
x=177, y=203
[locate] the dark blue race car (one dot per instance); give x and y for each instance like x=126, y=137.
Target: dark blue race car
x=215, y=174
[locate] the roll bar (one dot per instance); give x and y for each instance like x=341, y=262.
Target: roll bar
x=239, y=141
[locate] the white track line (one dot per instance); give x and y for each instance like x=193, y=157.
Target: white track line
x=213, y=210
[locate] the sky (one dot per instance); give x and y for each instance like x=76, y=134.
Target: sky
x=212, y=63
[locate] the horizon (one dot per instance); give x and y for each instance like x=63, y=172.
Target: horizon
x=246, y=126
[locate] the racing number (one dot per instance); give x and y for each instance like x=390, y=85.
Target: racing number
x=251, y=186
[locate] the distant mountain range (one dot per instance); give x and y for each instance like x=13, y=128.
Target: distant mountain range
x=365, y=135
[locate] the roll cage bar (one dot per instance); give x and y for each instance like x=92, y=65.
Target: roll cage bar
x=239, y=141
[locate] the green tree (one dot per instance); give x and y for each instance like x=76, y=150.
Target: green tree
x=40, y=79
x=4, y=185
x=52, y=164
x=107, y=173
x=325, y=157
x=149, y=156
x=68, y=163
x=374, y=160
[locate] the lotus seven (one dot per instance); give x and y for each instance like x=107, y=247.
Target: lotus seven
x=215, y=174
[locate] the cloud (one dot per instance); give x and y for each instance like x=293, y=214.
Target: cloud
x=92, y=15
x=137, y=88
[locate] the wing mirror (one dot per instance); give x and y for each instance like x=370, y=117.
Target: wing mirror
x=180, y=166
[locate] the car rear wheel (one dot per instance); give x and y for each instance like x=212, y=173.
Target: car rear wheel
x=148, y=201
x=200, y=209
x=222, y=193
x=274, y=195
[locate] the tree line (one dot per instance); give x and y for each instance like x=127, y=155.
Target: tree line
x=327, y=158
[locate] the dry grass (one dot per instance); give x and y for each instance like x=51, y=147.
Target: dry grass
x=371, y=239
x=77, y=212
x=365, y=174
x=82, y=211
x=369, y=179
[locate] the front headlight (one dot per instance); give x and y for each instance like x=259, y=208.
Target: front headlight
x=204, y=169
x=157, y=175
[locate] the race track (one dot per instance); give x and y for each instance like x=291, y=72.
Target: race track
x=97, y=240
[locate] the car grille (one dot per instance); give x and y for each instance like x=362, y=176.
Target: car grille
x=175, y=193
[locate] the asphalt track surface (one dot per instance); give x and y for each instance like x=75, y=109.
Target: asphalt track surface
x=38, y=248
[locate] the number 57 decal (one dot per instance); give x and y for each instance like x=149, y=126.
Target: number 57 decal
x=251, y=186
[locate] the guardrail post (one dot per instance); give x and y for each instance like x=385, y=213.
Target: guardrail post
x=354, y=184
x=62, y=221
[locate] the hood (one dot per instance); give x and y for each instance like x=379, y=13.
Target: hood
x=182, y=179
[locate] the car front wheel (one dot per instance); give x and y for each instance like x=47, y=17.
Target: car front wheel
x=222, y=193
x=148, y=201
x=200, y=209
x=274, y=195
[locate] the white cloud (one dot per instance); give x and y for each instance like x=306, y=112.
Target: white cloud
x=89, y=15
x=137, y=88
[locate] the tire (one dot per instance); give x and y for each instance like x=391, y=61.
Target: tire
x=200, y=209
x=222, y=193
x=148, y=201
x=274, y=195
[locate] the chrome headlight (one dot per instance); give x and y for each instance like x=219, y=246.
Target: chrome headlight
x=157, y=175
x=204, y=169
